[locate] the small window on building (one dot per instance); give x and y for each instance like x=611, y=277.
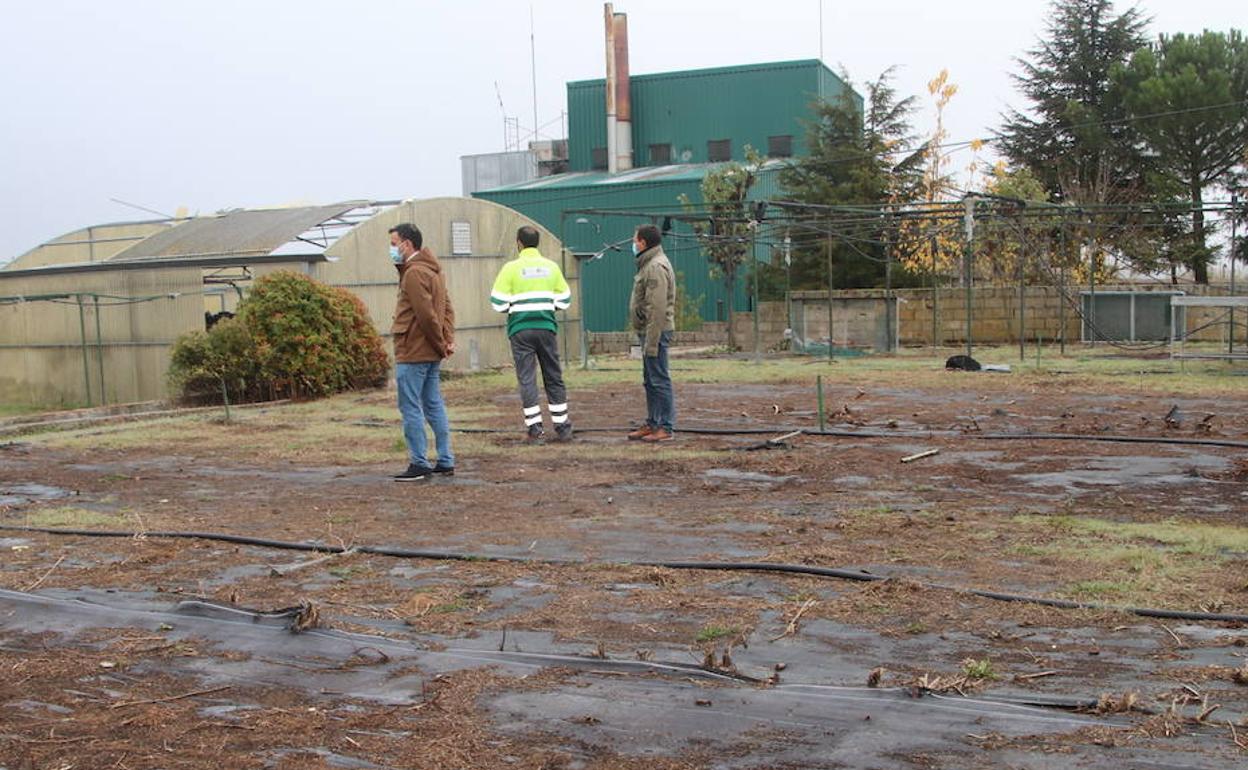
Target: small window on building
x=780, y=146
x=660, y=154
x=461, y=239
x=718, y=150
x=598, y=159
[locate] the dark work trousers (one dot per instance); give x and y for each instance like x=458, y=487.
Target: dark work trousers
x=531, y=348
x=660, y=400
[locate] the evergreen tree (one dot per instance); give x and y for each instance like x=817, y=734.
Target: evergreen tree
x=861, y=154
x=1189, y=94
x=725, y=233
x=1074, y=135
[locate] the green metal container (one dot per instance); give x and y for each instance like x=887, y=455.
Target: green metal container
x=554, y=202
x=762, y=105
x=685, y=111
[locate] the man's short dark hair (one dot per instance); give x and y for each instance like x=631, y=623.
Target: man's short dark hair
x=650, y=234
x=409, y=232
x=528, y=236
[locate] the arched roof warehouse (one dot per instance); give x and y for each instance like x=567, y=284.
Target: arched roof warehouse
x=100, y=330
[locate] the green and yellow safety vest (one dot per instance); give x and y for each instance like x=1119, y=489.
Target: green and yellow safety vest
x=530, y=288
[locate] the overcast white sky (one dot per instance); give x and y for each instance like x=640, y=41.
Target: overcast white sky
x=238, y=103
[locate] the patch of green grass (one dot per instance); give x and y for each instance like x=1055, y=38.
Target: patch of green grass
x=20, y=410
x=1186, y=537
x=914, y=628
x=979, y=669
x=71, y=518
x=1026, y=549
x=1101, y=589
x=346, y=572
x=713, y=632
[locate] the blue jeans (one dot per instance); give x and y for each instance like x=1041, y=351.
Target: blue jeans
x=420, y=399
x=660, y=400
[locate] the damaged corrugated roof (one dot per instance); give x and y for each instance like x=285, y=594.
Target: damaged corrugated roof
x=242, y=232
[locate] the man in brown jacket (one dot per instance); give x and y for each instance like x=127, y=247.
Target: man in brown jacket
x=652, y=308
x=424, y=334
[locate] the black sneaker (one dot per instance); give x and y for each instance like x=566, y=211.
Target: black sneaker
x=536, y=435
x=414, y=472
x=444, y=470
x=563, y=433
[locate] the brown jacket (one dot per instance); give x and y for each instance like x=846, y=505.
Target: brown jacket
x=652, y=305
x=424, y=321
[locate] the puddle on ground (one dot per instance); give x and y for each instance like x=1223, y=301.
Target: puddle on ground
x=731, y=474
x=17, y=495
x=1129, y=471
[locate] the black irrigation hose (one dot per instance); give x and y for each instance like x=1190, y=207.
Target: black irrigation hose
x=908, y=434
x=792, y=569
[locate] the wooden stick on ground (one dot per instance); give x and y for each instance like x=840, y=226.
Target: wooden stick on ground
x=51, y=569
x=184, y=695
x=1177, y=639
x=784, y=438
x=792, y=627
x=1025, y=677
x=286, y=569
x=920, y=455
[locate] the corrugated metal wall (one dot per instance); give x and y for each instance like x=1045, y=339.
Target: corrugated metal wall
x=608, y=280
x=482, y=172
x=745, y=105
x=91, y=244
x=364, y=268
x=41, y=342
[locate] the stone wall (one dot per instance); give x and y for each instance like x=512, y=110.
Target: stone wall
x=995, y=312
x=710, y=335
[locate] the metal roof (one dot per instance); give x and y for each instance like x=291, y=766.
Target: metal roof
x=646, y=175
x=252, y=232
x=232, y=238
x=734, y=69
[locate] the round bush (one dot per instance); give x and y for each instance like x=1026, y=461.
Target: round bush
x=292, y=336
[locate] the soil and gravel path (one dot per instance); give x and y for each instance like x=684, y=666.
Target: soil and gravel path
x=147, y=652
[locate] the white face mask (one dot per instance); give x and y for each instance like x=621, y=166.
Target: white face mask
x=395, y=256
x=636, y=250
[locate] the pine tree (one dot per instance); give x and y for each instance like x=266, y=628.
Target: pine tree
x=861, y=154
x=1189, y=97
x=1074, y=135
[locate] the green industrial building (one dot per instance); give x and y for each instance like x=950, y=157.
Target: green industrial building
x=682, y=124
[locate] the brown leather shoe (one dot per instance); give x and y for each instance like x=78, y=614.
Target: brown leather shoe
x=657, y=435
x=640, y=433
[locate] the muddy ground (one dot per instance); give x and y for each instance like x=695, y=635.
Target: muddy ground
x=547, y=646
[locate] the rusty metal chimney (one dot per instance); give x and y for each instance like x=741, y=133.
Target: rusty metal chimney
x=619, y=106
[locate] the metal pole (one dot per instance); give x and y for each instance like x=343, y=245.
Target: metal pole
x=788, y=282
x=1061, y=303
x=758, y=343
x=969, y=248
x=99, y=348
x=819, y=398
x=533, y=71
x=829, y=293
x=1022, y=308
x=1091, y=320
x=888, y=287
x=82, y=331
x=1230, y=342
x=935, y=293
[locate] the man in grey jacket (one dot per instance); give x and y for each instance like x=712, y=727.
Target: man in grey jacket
x=652, y=308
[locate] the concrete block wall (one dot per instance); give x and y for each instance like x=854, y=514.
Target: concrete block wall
x=995, y=315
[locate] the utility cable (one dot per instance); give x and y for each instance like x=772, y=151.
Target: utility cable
x=725, y=566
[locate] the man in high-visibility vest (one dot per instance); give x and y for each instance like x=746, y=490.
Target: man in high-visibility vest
x=530, y=288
